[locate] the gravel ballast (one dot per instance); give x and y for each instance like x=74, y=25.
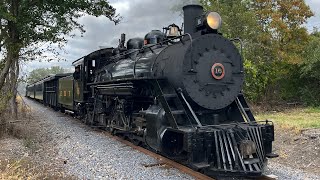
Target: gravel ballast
x=88, y=154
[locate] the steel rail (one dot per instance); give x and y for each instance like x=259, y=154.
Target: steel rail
x=162, y=160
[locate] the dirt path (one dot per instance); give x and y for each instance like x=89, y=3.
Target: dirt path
x=299, y=150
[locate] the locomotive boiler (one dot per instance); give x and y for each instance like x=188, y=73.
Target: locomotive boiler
x=178, y=93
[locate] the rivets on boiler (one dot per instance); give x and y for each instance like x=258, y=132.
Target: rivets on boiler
x=207, y=93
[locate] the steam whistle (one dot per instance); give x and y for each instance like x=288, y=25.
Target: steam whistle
x=121, y=48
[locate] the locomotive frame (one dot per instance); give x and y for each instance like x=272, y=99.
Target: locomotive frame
x=178, y=95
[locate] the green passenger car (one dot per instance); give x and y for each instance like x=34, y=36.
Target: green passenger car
x=66, y=92
x=39, y=91
x=30, y=91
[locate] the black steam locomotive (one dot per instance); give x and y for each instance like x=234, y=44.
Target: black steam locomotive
x=178, y=94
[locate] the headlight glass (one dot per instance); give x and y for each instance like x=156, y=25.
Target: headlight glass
x=214, y=20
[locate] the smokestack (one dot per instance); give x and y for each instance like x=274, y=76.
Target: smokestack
x=190, y=14
x=122, y=40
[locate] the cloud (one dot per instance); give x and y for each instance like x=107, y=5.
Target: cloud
x=139, y=17
x=314, y=21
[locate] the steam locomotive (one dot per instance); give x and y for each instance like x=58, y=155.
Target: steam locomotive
x=175, y=92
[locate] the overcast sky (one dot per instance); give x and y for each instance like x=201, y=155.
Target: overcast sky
x=139, y=17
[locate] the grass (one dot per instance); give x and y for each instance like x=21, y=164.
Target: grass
x=25, y=169
x=299, y=118
x=19, y=169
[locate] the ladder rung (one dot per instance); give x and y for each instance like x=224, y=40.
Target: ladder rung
x=177, y=112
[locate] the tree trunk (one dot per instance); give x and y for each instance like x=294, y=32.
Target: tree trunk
x=5, y=70
x=14, y=74
x=13, y=45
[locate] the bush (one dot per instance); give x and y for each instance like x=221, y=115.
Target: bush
x=310, y=72
x=273, y=83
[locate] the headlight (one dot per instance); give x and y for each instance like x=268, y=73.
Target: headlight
x=214, y=20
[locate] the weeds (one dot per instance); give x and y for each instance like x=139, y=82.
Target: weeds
x=29, y=143
x=24, y=169
x=14, y=127
x=20, y=169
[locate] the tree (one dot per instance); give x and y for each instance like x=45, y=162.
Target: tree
x=283, y=40
x=310, y=74
x=29, y=23
x=282, y=31
x=26, y=23
x=41, y=73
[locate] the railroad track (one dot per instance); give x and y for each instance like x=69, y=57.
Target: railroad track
x=162, y=160
x=165, y=161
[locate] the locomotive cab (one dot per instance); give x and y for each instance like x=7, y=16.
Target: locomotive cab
x=76, y=74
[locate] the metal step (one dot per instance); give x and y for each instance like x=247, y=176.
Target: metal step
x=272, y=155
x=201, y=165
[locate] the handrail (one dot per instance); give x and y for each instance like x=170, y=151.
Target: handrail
x=238, y=123
x=241, y=44
x=190, y=108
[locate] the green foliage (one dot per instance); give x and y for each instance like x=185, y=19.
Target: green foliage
x=26, y=25
x=48, y=21
x=311, y=65
x=41, y=73
x=310, y=72
x=238, y=21
x=256, y=80
x=290, y=83
x=281, y=27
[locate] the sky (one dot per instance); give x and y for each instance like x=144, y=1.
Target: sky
x=139, y=17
